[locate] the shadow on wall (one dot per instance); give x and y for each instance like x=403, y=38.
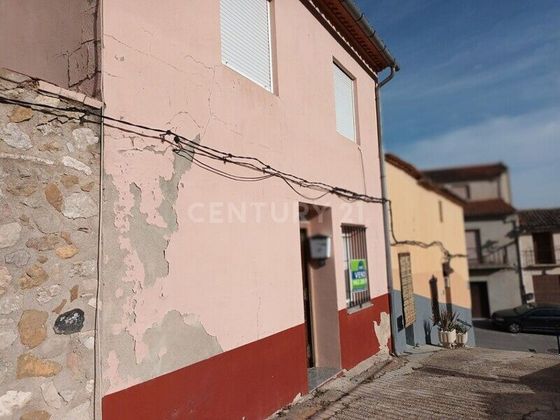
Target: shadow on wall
x=428, y=325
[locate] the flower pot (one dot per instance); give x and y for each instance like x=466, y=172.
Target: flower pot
x=447, y=338
x=462, y=339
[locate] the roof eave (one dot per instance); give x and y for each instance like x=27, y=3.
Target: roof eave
x=361, y=19
x=345, y=20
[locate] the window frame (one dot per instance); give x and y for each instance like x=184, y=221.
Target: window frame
x=543, y=248
x=353, y=80
x=477, y=247
x=271, y=59
x=348, y=254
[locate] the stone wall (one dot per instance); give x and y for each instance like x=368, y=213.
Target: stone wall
x=49, y=189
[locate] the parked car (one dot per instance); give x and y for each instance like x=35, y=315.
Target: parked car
x=531, y=317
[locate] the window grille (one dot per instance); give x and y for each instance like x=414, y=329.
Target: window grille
x=355, y=265
x=407, y=289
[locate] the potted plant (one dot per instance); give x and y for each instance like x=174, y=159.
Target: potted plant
x=446, y=325
x=462, y=330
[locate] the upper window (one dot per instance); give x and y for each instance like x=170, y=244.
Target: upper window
x=543, y=244
x=463, y=191
x=344, y=102
x=245, y=33
x=474, y=253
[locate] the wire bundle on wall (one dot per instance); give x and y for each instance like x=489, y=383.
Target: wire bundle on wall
x=186, y=147
x=193, y=151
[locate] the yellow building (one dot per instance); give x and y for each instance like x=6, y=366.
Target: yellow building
x=428, y=255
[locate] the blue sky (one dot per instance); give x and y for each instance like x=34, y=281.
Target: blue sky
x=479, y=82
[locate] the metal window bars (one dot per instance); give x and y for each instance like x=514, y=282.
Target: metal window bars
x=354, y=244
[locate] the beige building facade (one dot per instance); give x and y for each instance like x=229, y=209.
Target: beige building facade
x=428, y=255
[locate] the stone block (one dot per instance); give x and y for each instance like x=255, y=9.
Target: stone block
x=31, y=366
x=20, y=114
x=13, y=136
x=9, y=234
x=32, y=329
x=54, y=196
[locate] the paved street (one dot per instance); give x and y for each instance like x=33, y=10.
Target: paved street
x=467, y=383
x=488, y=337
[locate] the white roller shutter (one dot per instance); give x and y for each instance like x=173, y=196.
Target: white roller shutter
x=245, y=28
x=344, y=102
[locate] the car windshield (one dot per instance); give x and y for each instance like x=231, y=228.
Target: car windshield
x=523, y=308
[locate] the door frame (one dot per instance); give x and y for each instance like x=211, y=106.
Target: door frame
x=307, y=304
x=484, y=300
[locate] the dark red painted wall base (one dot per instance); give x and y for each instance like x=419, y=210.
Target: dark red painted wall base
x=357, y=335
x=252, y=381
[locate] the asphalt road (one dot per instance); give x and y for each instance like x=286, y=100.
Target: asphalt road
x=488, y=337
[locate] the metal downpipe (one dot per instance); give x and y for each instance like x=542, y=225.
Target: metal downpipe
x=386, y=215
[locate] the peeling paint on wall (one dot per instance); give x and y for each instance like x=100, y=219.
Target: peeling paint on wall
x=383, y=331
x=140, y=217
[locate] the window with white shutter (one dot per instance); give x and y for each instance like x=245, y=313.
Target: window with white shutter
x=355, y=265
x=245, y=35
x=344, y=102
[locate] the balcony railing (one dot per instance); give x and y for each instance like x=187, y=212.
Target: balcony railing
x=486, y=258
x=548, y=257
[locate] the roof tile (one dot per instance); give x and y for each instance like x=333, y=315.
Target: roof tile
x=466, y=173
x=539, y=219
x=484, y=208
x=411, y=170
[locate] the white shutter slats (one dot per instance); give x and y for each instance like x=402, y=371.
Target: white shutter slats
x=245, y=36
x=344, y=103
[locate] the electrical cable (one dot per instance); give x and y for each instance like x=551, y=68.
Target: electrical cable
x=183, y=145
x=425, y=245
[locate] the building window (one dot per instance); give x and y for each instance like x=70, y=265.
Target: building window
x=245, y=34
x=344, y=103
x=473, y=246
x=543, y=245
x=440, y=208
x=463, y=191
x=355, y=265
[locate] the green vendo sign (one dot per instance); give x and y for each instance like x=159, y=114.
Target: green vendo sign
x=358, y=275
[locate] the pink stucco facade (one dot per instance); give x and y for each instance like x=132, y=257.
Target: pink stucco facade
x=200, y=277
x=223, y=279
x=237, y=280
x=56, y=41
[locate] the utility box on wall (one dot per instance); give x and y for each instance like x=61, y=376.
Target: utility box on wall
x=320, y=247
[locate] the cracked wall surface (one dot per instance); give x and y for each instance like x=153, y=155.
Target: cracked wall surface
x=49, y=189
x=139, y=219
x=57, y=41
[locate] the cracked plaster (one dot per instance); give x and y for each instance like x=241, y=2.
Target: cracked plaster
x=141, y=207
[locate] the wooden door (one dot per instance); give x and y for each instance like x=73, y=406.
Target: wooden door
x=307, y=297
x=479, y=300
